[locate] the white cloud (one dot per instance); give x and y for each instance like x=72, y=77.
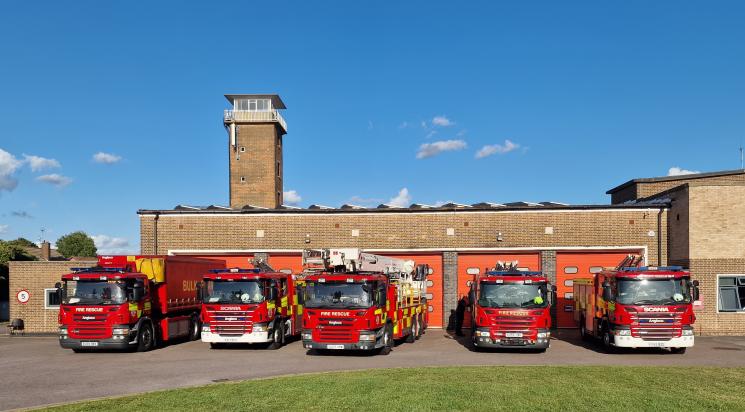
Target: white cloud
x=435, y=148
x=106, y=158
x=430, y=134
x=291, y=197
x=3, y=228
x=489, y=150
x=403, y=199
x=38, y=163
x=55, y=179
x=442, y=121
x=676, y=171
x=8, y=166
x=108, y=245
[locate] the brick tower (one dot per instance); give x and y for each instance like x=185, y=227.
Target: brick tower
x=255, y=129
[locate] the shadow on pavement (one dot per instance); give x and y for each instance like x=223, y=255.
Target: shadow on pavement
x=467, y=343
x=571, y=336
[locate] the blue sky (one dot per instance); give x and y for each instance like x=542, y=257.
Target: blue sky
x=562, y=100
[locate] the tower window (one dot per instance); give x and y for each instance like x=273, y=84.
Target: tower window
x=252, y=105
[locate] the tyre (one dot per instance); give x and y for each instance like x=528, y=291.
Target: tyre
x=387, y=340
x=583, y=329
x=679, y=351
x=195, y=328
x=146, y=338
x=411, y=337
x=419, y=329
x=608, y=341
x=278, y=335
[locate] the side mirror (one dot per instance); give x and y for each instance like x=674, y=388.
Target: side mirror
x=59, y=291
x=138, y=291
x=58, y=285
x=200, y=291
x=607, y=293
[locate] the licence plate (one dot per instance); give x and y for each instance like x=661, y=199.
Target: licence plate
x=334, y=346
x=657, y=344
x=513, y=335
x=230, y=339
x=88, y=343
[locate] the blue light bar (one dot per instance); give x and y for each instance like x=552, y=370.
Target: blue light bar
x=513, y=273
x=652, y=268
x=235, y=270
x=98, y=269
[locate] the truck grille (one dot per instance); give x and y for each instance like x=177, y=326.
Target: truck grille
x=336, y=330
x=231, y=322
x=656, y=326
x=89, y=326
x=513, y=323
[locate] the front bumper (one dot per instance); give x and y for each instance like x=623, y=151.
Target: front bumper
x=253, y=337
x=309, y=343
x=513, y=343
x=632, y=342
x=109, y=343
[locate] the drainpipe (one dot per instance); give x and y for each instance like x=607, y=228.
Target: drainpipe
x=155, y=232
x=659, y=238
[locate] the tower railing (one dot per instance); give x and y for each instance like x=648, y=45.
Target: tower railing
x=254, y=116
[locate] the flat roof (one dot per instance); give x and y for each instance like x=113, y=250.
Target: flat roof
x=477, y=207
x=277, y=102
x=674, y=178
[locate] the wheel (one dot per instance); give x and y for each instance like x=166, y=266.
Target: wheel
x=678, y=350
x=146, y=338
x=278, y=335
x=583, y=329
x=387, y=340
x=608, y=341
x=411, y=337
x=419, y=329
x=194, y=328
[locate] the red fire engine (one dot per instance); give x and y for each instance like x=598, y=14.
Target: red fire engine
x=250, y=306
x=511, y=308
x=635, y=306
x=131, y=302
x=356, y=300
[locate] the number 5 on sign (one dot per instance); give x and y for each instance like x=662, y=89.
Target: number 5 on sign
x=23, y=296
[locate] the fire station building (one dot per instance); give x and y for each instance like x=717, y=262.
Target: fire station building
x=696, y=221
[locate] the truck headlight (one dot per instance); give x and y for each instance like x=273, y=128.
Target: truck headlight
x=687, y=332
x=307, y=336
x=206, y=329
x=484, y=333
x=260, y=327
x=120, y=331
x=369, y=337
x=544, y=335
x=623, y=332
x=63, y=331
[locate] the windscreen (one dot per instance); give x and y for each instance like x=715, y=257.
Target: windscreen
x=653, y=291
x=513, y=295
x=247, y=291
x=338, y=295
x=94, y=292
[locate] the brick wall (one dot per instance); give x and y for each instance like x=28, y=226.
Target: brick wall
x=641, y=190
x=449, y=288
x=257, y=165
x=717, y=222
x=710, y=321
x=35, y=277
x=576, y=228
x=624, y=195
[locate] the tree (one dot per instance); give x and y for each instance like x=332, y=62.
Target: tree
x=10, y=251
x=76, y=244
x=23, y=242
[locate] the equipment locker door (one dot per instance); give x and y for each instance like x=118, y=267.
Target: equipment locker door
x=479, y=262
x=578, y=265
x=434, y=285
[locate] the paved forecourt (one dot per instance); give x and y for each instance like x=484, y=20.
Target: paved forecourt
x=36, y=371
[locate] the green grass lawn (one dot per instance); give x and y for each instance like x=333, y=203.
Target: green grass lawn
x=534, y=388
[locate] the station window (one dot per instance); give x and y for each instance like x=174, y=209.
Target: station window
x=569, y=283
x=51, y=299
x=430, y=283
x=732, y=293
x=473, y=271
x=571, y=270
x=569, y=296
x=287, y=271
x=596, y=269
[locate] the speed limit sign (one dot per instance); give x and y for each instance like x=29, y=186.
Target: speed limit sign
x=23, y=296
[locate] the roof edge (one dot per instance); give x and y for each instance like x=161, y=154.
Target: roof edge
x=674, y=178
